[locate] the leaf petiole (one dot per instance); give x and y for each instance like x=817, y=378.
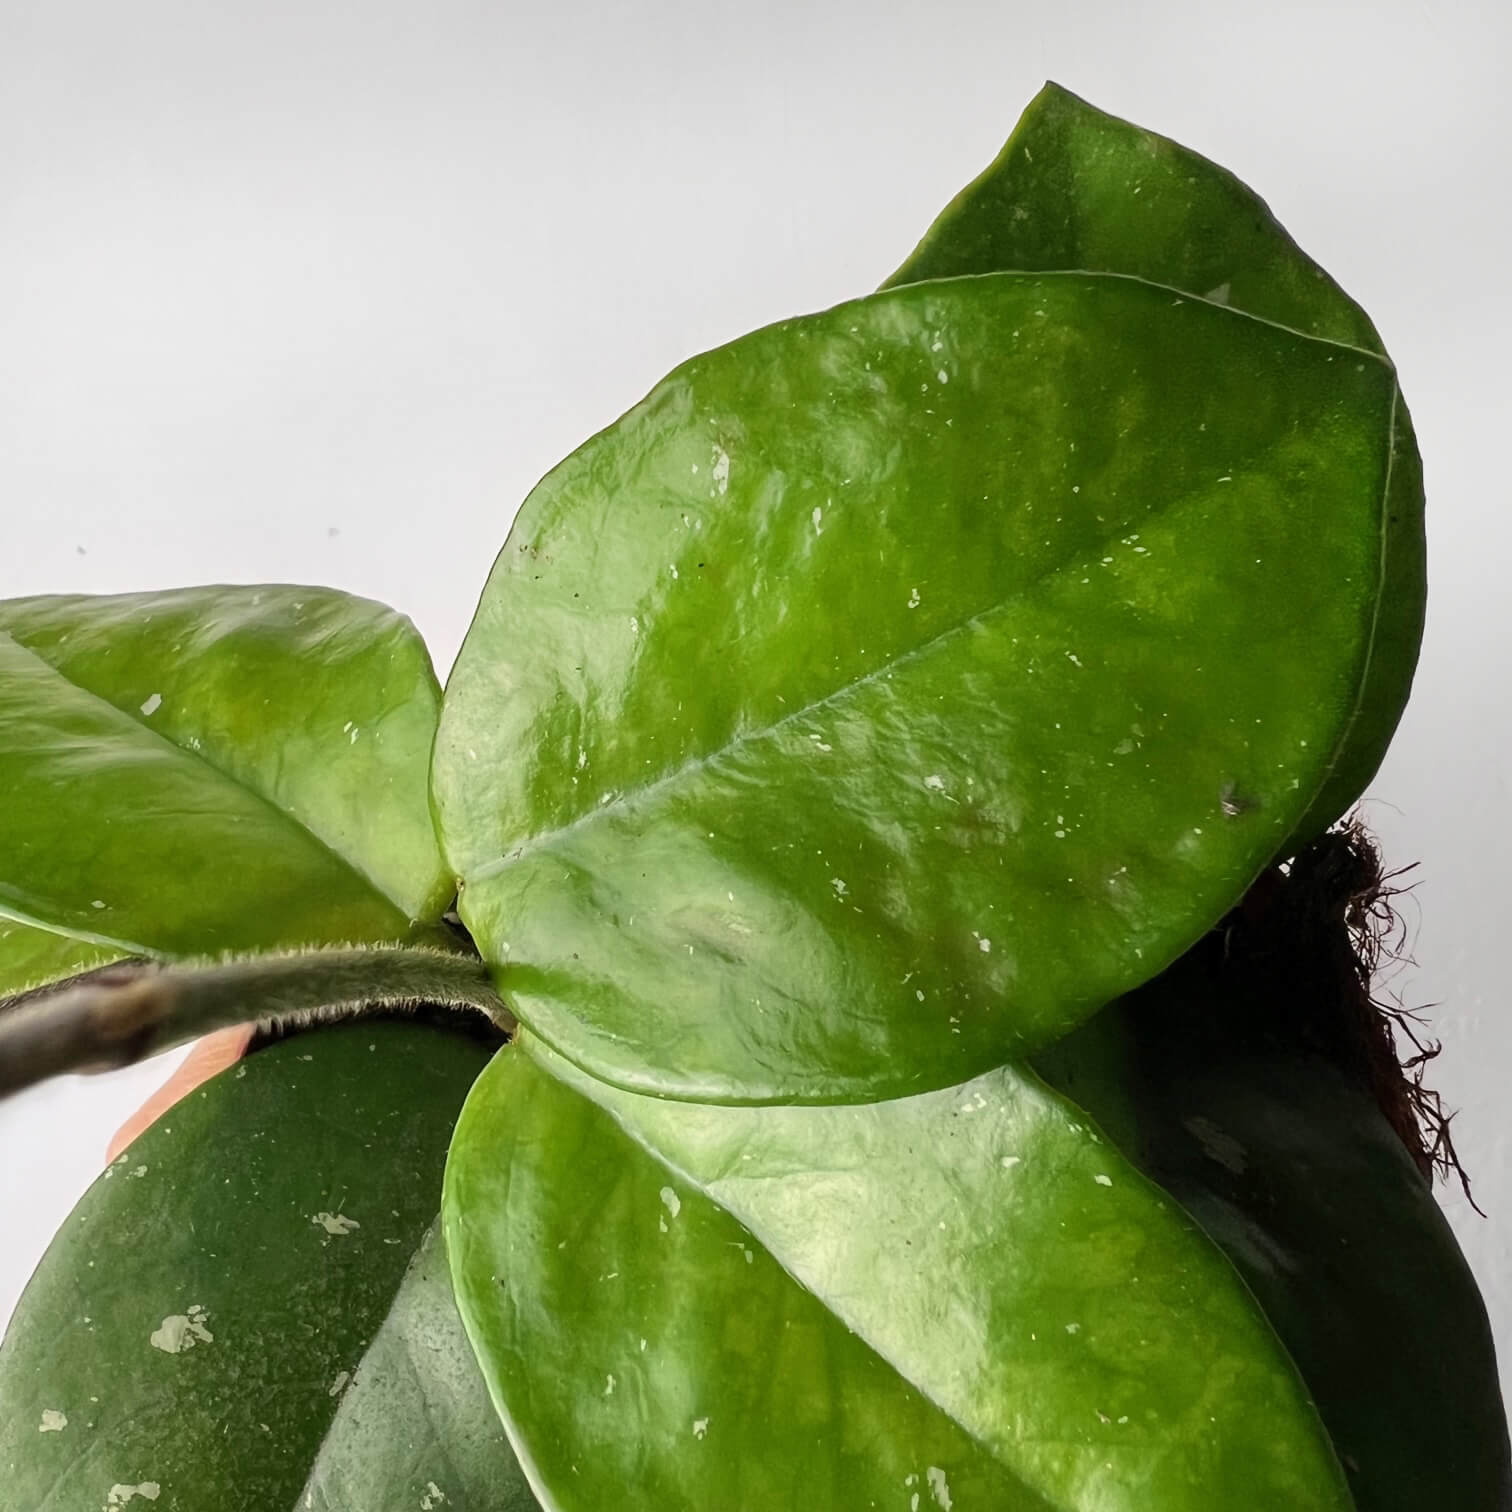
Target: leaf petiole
x=133, y=1009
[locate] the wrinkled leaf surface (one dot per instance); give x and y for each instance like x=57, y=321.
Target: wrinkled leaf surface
x=966, y=1296
x=1077, y=188
x=896, y=686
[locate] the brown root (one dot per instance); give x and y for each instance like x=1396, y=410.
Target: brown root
x=1324, y=926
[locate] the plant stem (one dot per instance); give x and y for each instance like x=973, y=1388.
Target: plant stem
x=123, y=1013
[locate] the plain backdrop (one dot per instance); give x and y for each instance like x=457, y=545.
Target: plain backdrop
x=315, y=292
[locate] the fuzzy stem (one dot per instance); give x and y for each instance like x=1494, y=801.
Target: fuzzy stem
x=123, y=1013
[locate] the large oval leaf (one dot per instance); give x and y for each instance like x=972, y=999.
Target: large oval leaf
x=964, y=1296
x=1077, y=188
x=894, y=687
x=246, y=1311
x=210, y=770
x=1209, y=1085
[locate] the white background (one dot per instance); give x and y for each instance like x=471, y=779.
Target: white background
x=313, y=292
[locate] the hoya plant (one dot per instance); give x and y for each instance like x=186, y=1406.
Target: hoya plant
x=858, y=995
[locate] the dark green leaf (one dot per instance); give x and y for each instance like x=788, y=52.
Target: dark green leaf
x=894, y=687
x=1288, y=1164
x=416, y=1428
x=1077, y=188
x=210, y=770
x=246, y=1311
x=965, y=1296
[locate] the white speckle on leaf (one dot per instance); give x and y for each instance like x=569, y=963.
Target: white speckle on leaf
x=984, y=944
x=338, y=1225
x=1102, y=1180
x=152, y=705
x=634, y=625
x=913, y=598
x=1009, y=1161
x=671, y=1201
x=943, y=376
x=838, y=883
x=818, y=518
x=939, y=1487
x=180, y=1332
x=139, y=1171
x=97, y=902
x=1073, y=1328
x=120, y=1494
x=53, y=1421
x=721, y=469
x=339, y=1384
x=433, y=1498
x=609, y=1385
x=700, y=1427
x=935, y=783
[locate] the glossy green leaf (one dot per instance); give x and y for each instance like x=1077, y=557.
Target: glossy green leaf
x=894, y=687
x=247, y=1311
x=1288, y=1164
x=966, y=1296
x=210, y=770
x=1077, y=188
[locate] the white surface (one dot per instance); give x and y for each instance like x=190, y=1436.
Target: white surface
x=316, y=292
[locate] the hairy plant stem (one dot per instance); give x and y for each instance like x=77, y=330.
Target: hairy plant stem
x=125, y=1012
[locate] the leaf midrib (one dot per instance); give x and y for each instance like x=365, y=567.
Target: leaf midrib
x=198, y=758
x=703, y=1189
x=742, y=738
x=63, y=932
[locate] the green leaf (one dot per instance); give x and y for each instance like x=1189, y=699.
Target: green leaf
x=31, y=956
x=416, y=1428
x=831, y=728
x=1209, y=1086
x=965, y=1295
x=247, y=1311
x=1077, y=188
x=210, y=770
